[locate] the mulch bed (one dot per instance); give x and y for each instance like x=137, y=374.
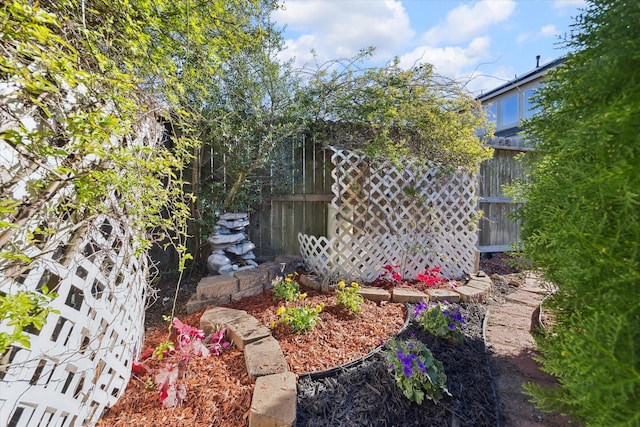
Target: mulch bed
x=366, y=395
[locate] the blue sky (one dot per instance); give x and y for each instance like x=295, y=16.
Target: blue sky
x=482, y=43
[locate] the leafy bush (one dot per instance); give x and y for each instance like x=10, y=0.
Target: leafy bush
x=581, y=220
x=440, y=319
x=286, y=289
x=416, y=371
x=348, y=297
x=300, y=318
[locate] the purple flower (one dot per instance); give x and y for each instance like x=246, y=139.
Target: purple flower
x=422, y=305
x=407, y=362
x=423, y=368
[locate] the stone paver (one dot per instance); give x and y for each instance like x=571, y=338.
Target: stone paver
x=216, y=317
x=213, y=286
x=443, y=295
x=531, y=299
x=409, y=295
x=274, y=401
x=471, y=294
x=264, y=357
x=374, y=294
x=513, y=350
x=246, y=329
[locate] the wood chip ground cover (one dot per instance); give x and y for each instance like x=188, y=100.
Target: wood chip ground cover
x=219, y=390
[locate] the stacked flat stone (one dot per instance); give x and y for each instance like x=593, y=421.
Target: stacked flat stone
x=230, y=249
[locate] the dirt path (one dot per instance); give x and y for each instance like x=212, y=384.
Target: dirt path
x=512, y=346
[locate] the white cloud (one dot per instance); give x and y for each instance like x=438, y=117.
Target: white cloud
x=468, y=21
x=449, y=60
x=548, y=31
x=523, y=37
x=342, y=28
x=563, y=4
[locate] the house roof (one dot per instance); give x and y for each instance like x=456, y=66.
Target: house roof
x=523, y=79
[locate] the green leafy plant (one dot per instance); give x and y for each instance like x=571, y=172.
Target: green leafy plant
x=581, y=218
x=440, y=319
x=24, y=310
x=349, y=298
x=286, y=289
x=417, y=373
x=300, y=318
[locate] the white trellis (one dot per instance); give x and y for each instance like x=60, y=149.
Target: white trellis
x=79, y=363
x=416, y=216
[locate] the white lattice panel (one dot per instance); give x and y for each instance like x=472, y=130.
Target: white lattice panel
x=417, y=217
x=79, y=363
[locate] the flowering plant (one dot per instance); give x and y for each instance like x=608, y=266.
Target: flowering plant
x=431, y=277
x=286, y=289
x=440, y=319
x=417, y=373
x=349, y=298
x=300, y=318
x=390, y=273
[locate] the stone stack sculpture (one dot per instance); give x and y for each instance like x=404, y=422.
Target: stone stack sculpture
x=230, y=249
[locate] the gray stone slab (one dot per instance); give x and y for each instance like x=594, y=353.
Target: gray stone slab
x=250, y=278
x=264, y=357
x=374, y=294
x=246, y=329
x=443, y=295
x=210, y=287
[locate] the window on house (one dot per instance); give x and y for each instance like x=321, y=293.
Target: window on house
x=530, y=107
x=510, y=114
x=492, y=112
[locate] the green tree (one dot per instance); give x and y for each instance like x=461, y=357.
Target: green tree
x=77, y=77
x=582, y=218
x=390, y=111
x=250, y=118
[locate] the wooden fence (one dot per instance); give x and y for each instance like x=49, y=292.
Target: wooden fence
x=497, y=231
x=280, y=217
x=277, y=221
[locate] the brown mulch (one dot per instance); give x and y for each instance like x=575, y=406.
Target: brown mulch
x=219, y=389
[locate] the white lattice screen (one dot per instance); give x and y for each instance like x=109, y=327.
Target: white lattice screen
x=415, y=216
x=79, y=363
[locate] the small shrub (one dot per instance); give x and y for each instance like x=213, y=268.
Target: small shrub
x=417, y=373
x=440, y=319
x=390, y=273
x=300, y=318
x=349, y=298
x=286, y=289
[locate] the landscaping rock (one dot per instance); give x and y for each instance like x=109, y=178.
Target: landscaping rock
x=443, y=295
x=264, y=357
x=375, y=294
x=274, y=401
x=403, y=295
x=246, y=329
x=211, y=287
x=219, y=316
